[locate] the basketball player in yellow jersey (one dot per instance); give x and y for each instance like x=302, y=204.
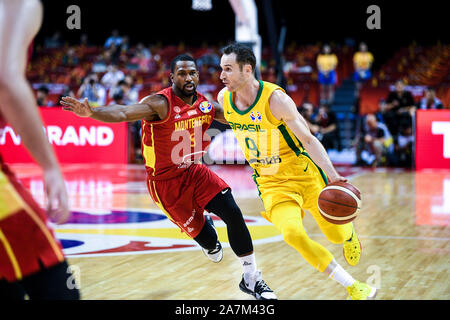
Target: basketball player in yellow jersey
x=290, y=165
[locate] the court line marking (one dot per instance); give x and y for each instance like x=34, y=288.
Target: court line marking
x=319, y=235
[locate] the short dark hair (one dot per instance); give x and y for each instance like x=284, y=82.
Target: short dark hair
x=43, y=89
x=122, y=82
x=181, y=57
x=244, y=54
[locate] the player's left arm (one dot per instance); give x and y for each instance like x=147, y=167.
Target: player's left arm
x=219, y=114
x=284, y=109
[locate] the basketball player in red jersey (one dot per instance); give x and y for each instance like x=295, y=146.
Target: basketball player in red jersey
x=31, y=259
x=173, y=128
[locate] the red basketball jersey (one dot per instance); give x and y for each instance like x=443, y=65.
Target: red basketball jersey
x=170, y=145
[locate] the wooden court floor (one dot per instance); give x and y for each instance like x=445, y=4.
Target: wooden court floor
x=122, y=247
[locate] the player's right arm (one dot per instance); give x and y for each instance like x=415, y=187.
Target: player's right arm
x=283, y=108
x=149, y=108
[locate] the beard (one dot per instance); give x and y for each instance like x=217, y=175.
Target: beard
x=188, y=93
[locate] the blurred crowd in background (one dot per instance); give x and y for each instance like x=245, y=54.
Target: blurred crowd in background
x=331, y=83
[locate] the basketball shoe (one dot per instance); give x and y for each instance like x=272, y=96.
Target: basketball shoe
x=257, y=287
x=361, y=291
x=216, y=254
x=352, y=249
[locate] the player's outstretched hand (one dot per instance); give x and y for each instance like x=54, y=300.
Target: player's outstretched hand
x=81, y=109
x=57, y=199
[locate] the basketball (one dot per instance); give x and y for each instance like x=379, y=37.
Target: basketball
x=339, y=202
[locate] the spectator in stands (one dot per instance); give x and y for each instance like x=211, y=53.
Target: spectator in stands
x=141, y=61
x=328, y=132
x=430, y=101
x=112, y=77
x=42, y=97
x=67, y=91
x=362, y=62
x=209, y=59
x=130, y=95
x=327, y=63
x=125, y=45
x=84, y=40
x=92, y=90
x=102, y=61
x=114, y=44
x=374, y=145
x=53, y=41
x=403, y=144
x=118, y=97
x=307, y=111
x=70, y=58
x=114, y=38
x=143, y=50
x=398, y=107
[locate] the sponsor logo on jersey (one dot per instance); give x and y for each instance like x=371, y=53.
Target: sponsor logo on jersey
x=256, y=117
x=192, y=112
x=246, y=127
x=265, y=161
x=177, y=109
x=205, y=106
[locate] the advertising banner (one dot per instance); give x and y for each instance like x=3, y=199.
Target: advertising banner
x=74, y=139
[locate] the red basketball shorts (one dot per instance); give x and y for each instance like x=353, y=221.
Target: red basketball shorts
x=27, y=243
x=183, y=198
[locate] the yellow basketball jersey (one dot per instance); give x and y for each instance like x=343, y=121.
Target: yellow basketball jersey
x=327, y=62
x=268, y=144
x=363, y=60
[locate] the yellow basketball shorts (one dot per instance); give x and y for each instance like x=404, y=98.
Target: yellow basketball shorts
x=299, y=181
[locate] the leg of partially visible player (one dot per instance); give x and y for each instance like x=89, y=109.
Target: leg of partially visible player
x=20, y=20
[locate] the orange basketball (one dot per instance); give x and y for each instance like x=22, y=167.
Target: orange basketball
x=339, y=202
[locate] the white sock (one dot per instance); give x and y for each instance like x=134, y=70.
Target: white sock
x=248, y=264
x=340, y=275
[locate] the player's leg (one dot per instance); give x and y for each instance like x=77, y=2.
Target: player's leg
x=339, y=234
x=54, y=283
x=225, y=207
x=207, y=238
x=357, y=290
x=344, y=234
x=287, y=218
x=175, y=197
x=209, y=241
x=213, y=194
x=11, y=291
